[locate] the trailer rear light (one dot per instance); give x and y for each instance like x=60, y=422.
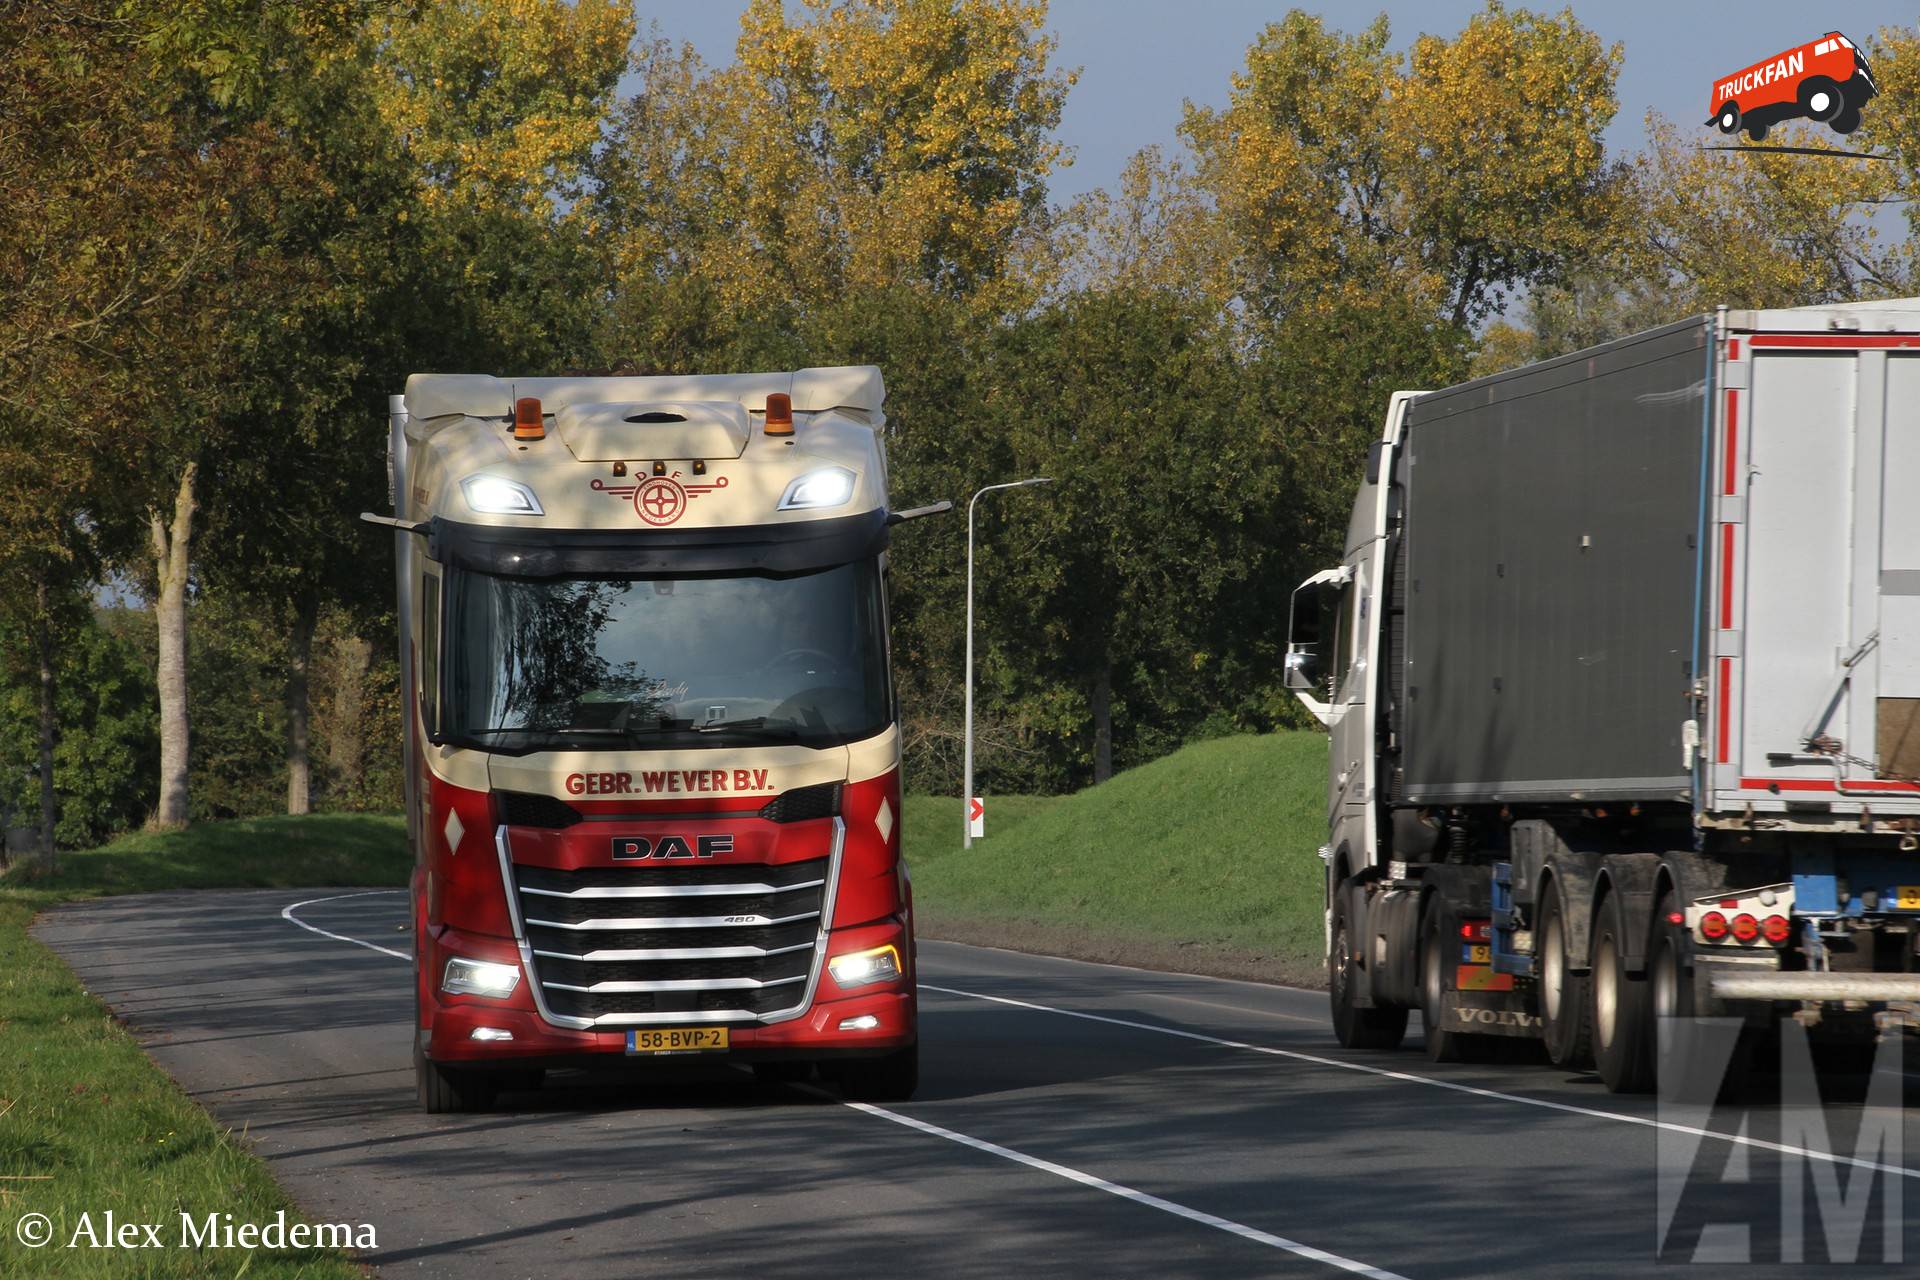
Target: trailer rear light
x=779, y=414
x=1713, y=926
x=826, y=487
x=479, y=978
x=865, y=1022
x=1775, y=929
x=490, y=1034
x=1476, y=930
x=498, y=496
x=1745, y=928
x=877, y=964
x=528, y=422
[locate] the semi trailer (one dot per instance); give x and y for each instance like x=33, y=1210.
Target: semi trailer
x=652, y=745
x=1621, y=669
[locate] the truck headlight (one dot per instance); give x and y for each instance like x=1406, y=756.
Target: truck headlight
x=479, y=978
x=877, y=964
x=827, y=487
x=499, y=496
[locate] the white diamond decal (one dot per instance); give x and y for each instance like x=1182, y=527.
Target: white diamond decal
x=884, y=819
x=454, y=831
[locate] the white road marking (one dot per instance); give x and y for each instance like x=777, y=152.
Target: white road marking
x=1408, y=1077
x=1218, y=1223
x=290, y=918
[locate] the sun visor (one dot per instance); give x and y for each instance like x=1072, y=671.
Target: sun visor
x=796, y=546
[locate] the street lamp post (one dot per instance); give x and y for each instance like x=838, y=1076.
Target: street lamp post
x=966, y=798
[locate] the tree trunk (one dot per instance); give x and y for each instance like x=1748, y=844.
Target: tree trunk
x=170, y=557
x=43, y=643
x=345, y=745
x=1103, y=725
x=306, y=611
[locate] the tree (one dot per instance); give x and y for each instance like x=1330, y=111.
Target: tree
x=1468, y=170
x=863, y=145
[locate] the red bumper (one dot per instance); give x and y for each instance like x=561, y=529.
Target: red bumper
x=450, y=1021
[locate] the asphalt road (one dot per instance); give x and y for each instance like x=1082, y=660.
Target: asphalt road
x=1073, y=1119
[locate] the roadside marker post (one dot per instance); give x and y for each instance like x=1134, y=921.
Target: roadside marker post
x=976, y=818
x=968, y=828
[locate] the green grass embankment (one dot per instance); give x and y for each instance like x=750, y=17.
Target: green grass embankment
x=88, y=1123
x=1203, y=860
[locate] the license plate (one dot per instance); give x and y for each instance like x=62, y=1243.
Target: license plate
x=1907, y=897
x=1479, y=953
x=677, y=1040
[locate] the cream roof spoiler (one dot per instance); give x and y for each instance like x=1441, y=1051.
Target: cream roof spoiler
x=479, y=395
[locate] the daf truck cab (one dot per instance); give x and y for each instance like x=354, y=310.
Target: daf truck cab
x=652, y=746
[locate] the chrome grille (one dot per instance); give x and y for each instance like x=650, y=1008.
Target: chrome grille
x=656, y=942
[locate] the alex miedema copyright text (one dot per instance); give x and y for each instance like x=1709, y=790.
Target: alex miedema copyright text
x=207, y=1231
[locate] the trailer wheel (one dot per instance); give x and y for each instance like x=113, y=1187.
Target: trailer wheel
x=1622, y=1007
x=1565, y=1019
x=447, y=1090
x=890, y=1079
x=1438, y=932
x=1354, y=1027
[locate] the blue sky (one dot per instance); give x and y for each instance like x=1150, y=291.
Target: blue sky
x=1140, y=60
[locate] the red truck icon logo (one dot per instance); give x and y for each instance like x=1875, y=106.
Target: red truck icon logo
x=1826, y=80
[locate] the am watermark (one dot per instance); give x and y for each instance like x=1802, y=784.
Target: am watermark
x=1745, y=1175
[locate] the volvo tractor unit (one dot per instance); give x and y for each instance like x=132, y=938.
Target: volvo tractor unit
x=1622, y=673
x=652, y=748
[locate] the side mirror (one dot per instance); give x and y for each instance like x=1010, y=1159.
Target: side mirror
x=1313, y=624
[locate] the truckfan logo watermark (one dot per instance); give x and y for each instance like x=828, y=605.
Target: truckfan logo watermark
x=659, y=500
x=1747, y=1175
x=1826, y=80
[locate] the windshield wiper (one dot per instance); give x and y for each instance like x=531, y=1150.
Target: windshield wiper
x=721, y=726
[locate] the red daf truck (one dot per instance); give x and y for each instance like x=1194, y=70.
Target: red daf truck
x=653, y=754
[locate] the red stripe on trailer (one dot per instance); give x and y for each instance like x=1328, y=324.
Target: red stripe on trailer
x=1832, y=341
x=1733, y=437
x=1725, y=711
x=1822, y=784
x=1726, y=577
x=1733, y=348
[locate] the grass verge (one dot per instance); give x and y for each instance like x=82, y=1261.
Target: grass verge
x=88, y=1124
x=1203, y=861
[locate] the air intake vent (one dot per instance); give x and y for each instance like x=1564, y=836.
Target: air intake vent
x=521, y=809
x=804, y=803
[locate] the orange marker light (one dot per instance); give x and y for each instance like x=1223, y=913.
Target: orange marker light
x=779, y=414
x=527, y=421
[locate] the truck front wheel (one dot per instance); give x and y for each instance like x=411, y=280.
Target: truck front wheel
x=1622, y=1007
x=446, y=1091
x=1354, y=1027
x=890, y=1079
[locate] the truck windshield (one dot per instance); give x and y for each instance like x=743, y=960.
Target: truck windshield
x=584, y=663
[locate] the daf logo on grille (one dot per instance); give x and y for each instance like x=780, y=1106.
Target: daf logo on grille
x=634, y=848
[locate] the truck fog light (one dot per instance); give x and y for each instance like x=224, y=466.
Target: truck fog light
x=479, y=978
x=489, y=1033
x=877, y=964
x=865, y=1022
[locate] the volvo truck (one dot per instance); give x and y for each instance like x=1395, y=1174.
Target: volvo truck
x=1621, y=668
x=652, y=746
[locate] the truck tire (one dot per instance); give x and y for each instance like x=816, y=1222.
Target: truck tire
x=1437, y=933
x=449, y=1091
x=1354, y=1027
x=1820, y=98
x=1565, y=1019
x=1729, y=118
x=890, y=1079
x=1622, y=1007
